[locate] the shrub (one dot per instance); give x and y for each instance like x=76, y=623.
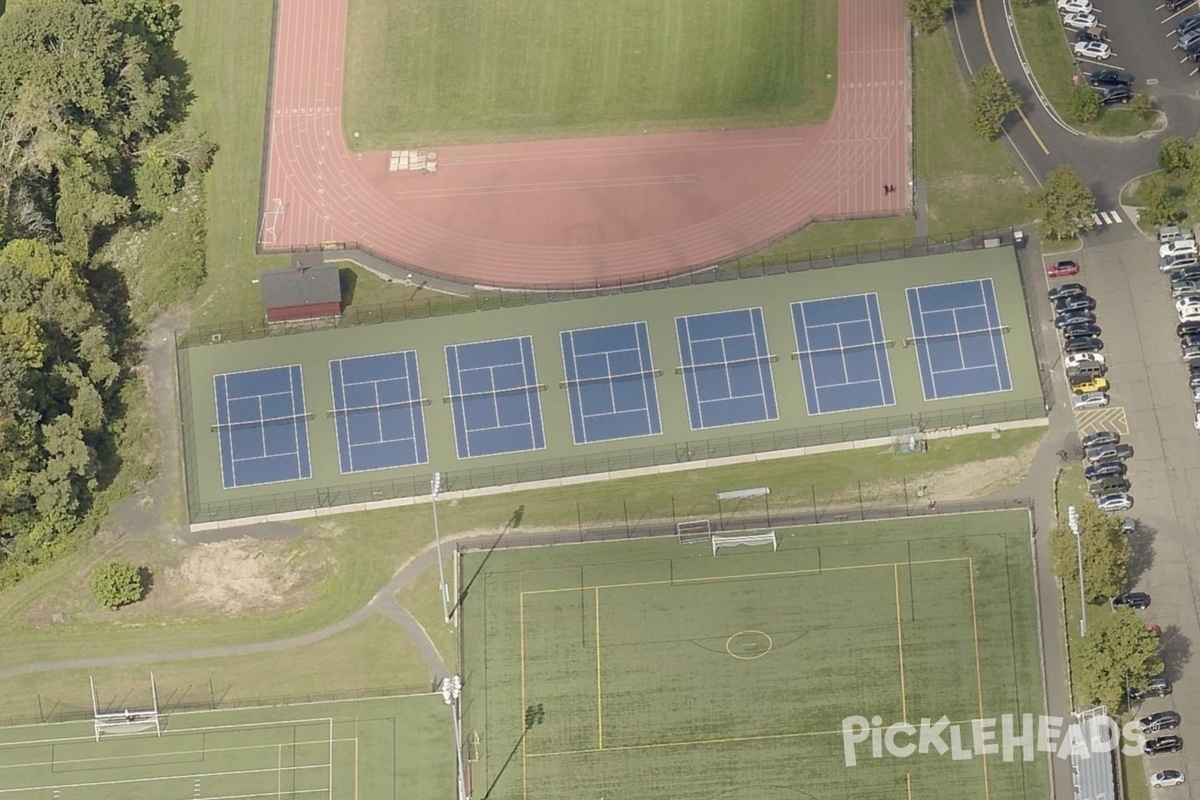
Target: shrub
x=117, y=584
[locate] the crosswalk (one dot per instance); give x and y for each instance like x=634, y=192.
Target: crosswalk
x=1107, y=218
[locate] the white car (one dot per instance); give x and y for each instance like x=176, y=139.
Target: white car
x=1074, y=6
x=1078, y=359
x=1096, y=51
x=1080, y=22
x=1121, y=501
x=1168, y=777
x=1089, y=400
x=1184, y=303
x=1190, y=314
x=1178, y=247
x=1196, y=423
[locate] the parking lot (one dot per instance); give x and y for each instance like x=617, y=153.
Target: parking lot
x=1142, y=40
x=1150, y=397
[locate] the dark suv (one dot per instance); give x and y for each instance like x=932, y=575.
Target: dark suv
x=1158, y=686
x=1115, y=94
x=1162, y=721
x=1163, y=744
x=1110, y=77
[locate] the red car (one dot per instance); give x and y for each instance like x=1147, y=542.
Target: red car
x=1062, y=269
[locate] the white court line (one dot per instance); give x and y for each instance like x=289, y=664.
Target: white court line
x=922, y=341
x=994, y=332
x=158, y=778
x=122, y=760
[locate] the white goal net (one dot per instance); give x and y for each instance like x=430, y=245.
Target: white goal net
x=752, y=539
x=693, y=531
x=128, y=720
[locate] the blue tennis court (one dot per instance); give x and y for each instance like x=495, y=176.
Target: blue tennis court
x=610, y=383
x=726, y=368
x=494, y=397
x=378, y=411
x=262, y=427
x=959, y=339
x=842, y=353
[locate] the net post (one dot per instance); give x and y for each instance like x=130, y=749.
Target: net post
x=95, y=707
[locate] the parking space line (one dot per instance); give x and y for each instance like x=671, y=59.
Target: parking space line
x=1093, y=420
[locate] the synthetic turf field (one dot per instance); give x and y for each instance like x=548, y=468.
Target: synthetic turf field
x=653, y=669
x=379, y=748
x=437, y=72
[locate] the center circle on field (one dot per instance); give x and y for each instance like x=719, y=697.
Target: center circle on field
x=749, y=645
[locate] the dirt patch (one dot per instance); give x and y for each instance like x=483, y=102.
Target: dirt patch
x=238, y=575
x=981, y=478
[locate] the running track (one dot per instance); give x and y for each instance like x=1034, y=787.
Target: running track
x=581, y=211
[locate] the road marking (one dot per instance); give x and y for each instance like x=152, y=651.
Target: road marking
x=987, y=40
x=1094, y=420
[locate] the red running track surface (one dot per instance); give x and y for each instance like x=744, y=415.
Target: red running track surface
x=581, y=211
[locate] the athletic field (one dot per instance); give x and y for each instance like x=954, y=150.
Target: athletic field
x=654, y=669
x=370, y=749
x=436, y=72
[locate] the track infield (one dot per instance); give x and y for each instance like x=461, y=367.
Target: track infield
x=379, y=748
x=654, y=669
x=579, y=67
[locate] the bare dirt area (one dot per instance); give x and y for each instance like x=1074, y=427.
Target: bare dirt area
x=239, y=575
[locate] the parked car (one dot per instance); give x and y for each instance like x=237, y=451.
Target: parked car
x=1066, y=290
x=1158, y=686
x=1074, y=6
x=1187, y=24
x=1080, y=359
x=1110, y=95
x=1088, y=345
x=1074, y=302
x=1185, y=288
x=1171, y=263
x=1163, y=744
x=1161, y=721
x=1192, y=51
x=1061, y=269
x=1091, y=385
x=1194, y=377
x=1110, y=77
x=1175, y=5
x=1190, y=353
x=1177, y=248
x=1092, y=34
x=1171, y=233
x=1184, y=273
x=1187, y=329
x=1168, y=777
x=1098, y=51
x=1129, y=526
x=1079, y=21
x=1100, y=439
x=1187, y=341
x=1135, y=600
x=1074, y=318
x=1185, y=302
x=1105, y=469
x=1094, y=400
x=1122, y=501
x=1109, y=486
x=1109, y=452
x=1185, y=40
x=1081, y=330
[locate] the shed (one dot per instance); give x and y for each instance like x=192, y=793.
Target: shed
x=306, y=291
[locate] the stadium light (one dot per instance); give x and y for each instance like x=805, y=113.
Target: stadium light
x=1073, y=524
x=435, y=488
x=451, y=689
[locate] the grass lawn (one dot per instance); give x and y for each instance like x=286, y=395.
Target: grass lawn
x=226, y=44
x=423, y=600
x=1134, y=195
x=822, y=239
x=365, y=549
x=376, y=654
x=429, y=72
x=972, y=184
x=1048, y=50
x=645, y=658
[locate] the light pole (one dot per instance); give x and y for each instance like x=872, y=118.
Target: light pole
x=451, y=690
x=1073, y=524
x=435, y=488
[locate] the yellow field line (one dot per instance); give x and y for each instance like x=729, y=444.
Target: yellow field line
x=599, y=692
x=900, y=643
x=524, y=725
x=697, y=742
x=978, y=671
x=908, y=780
x=742, y=576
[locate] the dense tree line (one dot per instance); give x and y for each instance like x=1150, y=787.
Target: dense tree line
x=94, y=150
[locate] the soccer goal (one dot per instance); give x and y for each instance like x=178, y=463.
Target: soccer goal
x=129, y=720
x=752, y=539
x=693, y=531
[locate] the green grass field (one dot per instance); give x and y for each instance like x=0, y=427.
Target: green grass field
x=384, y=747
x=436, y=72
x=654, y=669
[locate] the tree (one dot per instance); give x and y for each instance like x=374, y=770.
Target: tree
x=116, y=584
x=1063, y=205
x=992, y=99
x=1106, y=553
x=1084, y=105
x=1119, y=650
x=927, y=15
x=1142, y=105
x=1176, y=155
x=1162, y=202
